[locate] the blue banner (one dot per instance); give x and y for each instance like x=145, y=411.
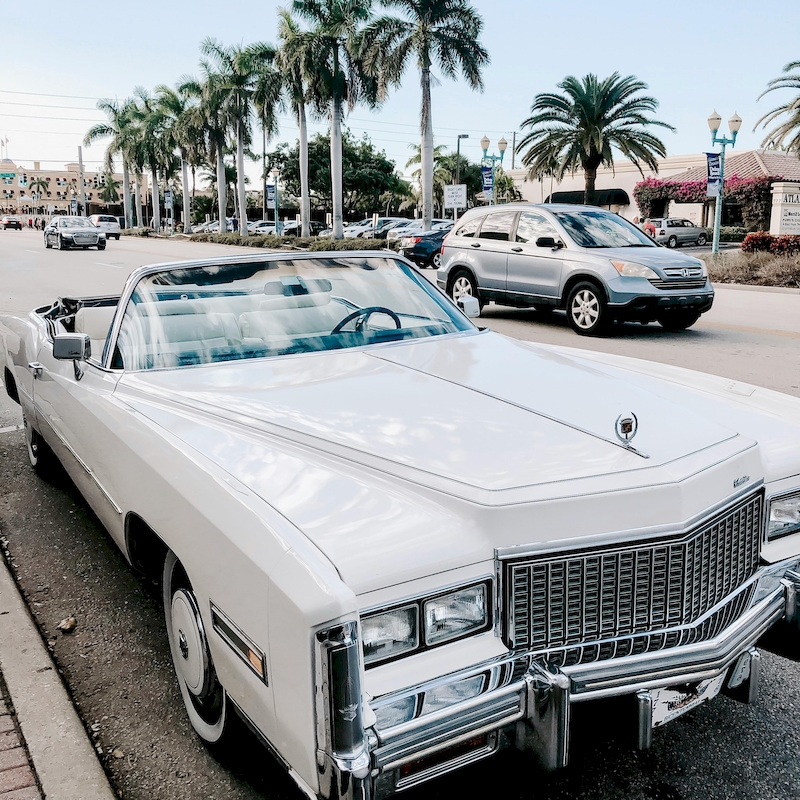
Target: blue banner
x=488, y=182
x=714, y=182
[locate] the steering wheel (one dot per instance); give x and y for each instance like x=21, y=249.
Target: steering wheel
x=366, y=313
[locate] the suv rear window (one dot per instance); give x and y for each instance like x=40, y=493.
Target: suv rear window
x=107, y=219
x=498, y=226
x=469, y=228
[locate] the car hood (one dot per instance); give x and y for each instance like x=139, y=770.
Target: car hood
x=649, y=256
x=477, y=411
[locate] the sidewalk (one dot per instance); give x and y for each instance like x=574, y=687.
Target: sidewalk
x=45, y=753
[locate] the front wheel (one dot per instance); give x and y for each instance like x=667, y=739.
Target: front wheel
x=678, y=320
x=47, y=244
x=101, y=247
x=202, y=693
x=672, y=242
x=701, y=240
x=464, y=284
x=60, y=245
x=586, y=309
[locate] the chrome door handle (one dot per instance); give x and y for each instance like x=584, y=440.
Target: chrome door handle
x=475, y=244
x=36, y=367
x=516, y=249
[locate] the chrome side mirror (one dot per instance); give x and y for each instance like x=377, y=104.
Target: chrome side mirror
x=470, y=305
x=74, y=347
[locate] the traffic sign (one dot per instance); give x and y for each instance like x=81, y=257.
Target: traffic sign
x=455, y=195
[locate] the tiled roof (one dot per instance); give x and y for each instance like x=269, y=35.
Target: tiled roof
x=751, y=164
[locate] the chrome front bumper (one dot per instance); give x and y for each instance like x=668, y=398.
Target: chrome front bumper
x=530, y=707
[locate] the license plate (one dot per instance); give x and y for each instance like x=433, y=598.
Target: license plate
x=669, y=704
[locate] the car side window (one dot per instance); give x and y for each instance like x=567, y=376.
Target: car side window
x=498, y=226
x=469, y=228
x=533, y=226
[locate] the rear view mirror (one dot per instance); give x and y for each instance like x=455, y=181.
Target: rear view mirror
x=470, y=306
x=72, y=347
x=547, y=241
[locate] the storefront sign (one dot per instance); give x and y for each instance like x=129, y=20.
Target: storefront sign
x=785, y=217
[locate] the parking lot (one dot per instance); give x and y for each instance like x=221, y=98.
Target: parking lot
x=117, y=663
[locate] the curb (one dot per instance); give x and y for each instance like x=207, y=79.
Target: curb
x=747, y=287
x=63, y=758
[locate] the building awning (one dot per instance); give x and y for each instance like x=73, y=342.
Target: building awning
x=603, y=197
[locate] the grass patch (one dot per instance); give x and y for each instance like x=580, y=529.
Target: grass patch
x=755, y=269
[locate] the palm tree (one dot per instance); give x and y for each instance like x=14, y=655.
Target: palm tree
x=267, y=101
x=291, y=58
x=440, y=177
x=580, y=128
x=444, y=33
x=38, y=186
x=790, y=127
x=334, y=71
x=238, y=70
x=151, y=143
x=110, y=193
x=121, y=130
x=176, y=107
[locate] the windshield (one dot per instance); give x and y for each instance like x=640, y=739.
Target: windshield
x=202, y=315
x=75, y=222
x=600, y=228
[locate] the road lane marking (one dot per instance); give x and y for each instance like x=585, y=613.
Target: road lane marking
x=35, y=252
x=104, y=264
x=11, y=429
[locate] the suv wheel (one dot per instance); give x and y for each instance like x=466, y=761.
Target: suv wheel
x=672, y=242
x=464, y=284
x=586, y=309
x=678, y=320
x=701, y=240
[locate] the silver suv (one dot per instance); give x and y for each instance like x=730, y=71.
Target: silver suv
x=590, y=262
x=674, y=232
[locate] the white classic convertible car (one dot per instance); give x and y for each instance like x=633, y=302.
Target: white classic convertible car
x=396, y=543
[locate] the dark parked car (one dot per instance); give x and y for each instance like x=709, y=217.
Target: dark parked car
x=10, y=221
x=424, y=249
x=295, y=229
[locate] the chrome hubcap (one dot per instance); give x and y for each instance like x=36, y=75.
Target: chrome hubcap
x=461, y=287
x=585, y=309
x=437, y=260
x=190, y=639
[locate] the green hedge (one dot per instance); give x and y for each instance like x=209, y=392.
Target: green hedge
x=731, y=233
x=315, y=244
x=137, y=231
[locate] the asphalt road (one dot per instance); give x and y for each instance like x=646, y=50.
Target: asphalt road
x=117, y=663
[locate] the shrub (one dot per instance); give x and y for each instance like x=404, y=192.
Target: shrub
x=137, y=231
x=760, y=268
x=762, y=242
x=314, y=244
x=728, y=233
x=785, y=245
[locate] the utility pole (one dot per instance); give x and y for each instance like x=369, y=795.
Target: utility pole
x=513, y=148
x=458, y=166
x=81, y=190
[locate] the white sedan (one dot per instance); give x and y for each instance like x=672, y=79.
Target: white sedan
x=396, y=543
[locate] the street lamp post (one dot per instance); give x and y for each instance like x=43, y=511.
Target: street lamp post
x=492, y=160
x=734, y=124
x=458, y=166
x=275, y=174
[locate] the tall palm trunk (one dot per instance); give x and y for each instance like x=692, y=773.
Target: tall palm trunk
x=305, y=197
x=126, y=194
x=336, y=167
x=137, y=199
x=185, y=211
x=590, y=174
x=156, y=203
x=427, y=150
x=222, y=191
x=240, y=176
x=263, y=173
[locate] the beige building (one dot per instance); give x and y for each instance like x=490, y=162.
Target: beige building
x=615, y=186
x=40, y=191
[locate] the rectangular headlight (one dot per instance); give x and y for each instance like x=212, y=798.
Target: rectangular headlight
x=396, y=713
x=449, y=694
x=390, y=633
x=456, y=614
x=784, y=516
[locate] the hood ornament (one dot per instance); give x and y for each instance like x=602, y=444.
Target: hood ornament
x=626, y=427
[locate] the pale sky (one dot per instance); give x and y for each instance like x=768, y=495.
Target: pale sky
x=56, y=60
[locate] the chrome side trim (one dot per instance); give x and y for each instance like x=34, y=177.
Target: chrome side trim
x=80, y=461
x=239, y=642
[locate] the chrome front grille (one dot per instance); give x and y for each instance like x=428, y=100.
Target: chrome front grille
x=683, y=272
x=557, y=601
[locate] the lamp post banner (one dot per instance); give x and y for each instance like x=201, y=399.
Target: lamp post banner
x=487, y=175
x=270, y=196
x=714, y=182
